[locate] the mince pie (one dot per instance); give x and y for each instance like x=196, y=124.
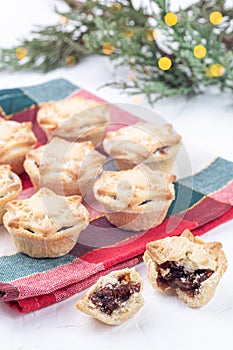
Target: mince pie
x=65, y=167
x=16, y=140
x=153, y=144
x=187, y=265
x=46, y=225
x=135, y=199
x=74, y=119
x=114, y=298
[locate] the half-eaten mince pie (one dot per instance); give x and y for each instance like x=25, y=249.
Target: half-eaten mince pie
x=135, y=199
x=46, y=225
x=74, y=119
x=153, y=144
x=10, y=187
x=65, y=167
x=16, y=140
x=114, y=298
x=187, y=265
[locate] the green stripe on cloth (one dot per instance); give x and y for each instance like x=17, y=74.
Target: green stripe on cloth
x=211, y=179
x=185, y=198
x=14, y=100
x=52, y=90
x=19, y=265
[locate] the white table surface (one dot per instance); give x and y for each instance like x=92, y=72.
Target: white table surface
x=164, y=322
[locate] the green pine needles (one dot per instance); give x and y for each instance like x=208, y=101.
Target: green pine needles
x=168, y=53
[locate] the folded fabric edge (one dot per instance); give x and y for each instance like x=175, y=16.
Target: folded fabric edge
x=35, y=303
x=8, y=291
x=89, y=264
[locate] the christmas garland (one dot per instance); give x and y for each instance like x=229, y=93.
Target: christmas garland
x=168, y=53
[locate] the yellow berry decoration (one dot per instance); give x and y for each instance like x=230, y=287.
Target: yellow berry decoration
x=217, y=70
x=164, y=63
x=21, y=53
x=216, y=18
x=115, y=6
x=199, y=51
x=108, y=48
x=171, y=19
x=70, y=61
x=151, y=34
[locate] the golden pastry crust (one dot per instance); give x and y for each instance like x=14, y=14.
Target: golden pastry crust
x=65, y=167
x=16, y=140
x=153, y=144
x=135, y=199
x=46, y=225
x=10, y=187
x=104, y=303
x=74, y=119
x=187, y=265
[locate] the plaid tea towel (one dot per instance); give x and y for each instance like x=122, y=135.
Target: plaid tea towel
x=203, y=201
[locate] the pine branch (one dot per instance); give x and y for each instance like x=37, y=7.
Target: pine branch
x=86, y=27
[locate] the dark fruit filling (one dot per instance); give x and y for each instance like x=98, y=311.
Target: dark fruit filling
x=112, y=296
x=177, y=277
x=36, y=164
x=162, y=151
x=61, y=229
x=28, y=229
x=64, y=228
x=145, y=202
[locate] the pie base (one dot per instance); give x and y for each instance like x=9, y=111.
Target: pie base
x=37, y=246
x=139, y=221
x=45, y=225
x=162, y=163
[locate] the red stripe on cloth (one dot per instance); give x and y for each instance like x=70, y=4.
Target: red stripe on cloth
x=136, y=245
x=29, y=115
x=119, y=117
x=37, y=302
x=206, y=210
x=57, y=278
x=95, y=261
x=87, y=94
x=210, y=225
x=34, y=303
x=26, y=183
x=225, y=194
x=27, y=192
